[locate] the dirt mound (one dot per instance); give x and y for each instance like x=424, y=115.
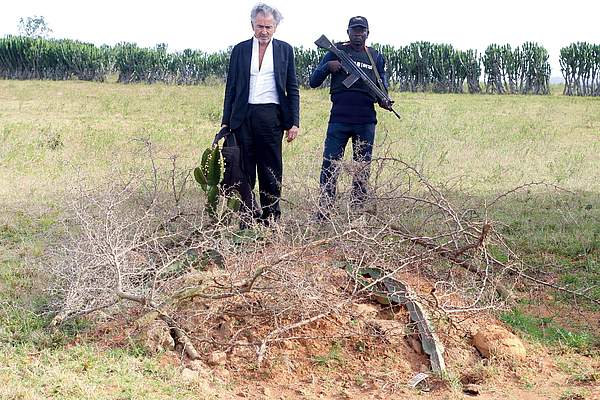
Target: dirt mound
x=362, y=350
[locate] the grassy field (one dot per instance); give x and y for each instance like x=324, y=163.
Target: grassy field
x=477, y=146
x=490, y=143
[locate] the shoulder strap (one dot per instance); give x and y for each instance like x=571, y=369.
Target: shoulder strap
x=379, y=82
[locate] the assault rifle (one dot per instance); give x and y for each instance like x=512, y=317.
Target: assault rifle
x=355, y=73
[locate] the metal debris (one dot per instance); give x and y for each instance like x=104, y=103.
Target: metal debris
x=418, y=378
x=399, y=293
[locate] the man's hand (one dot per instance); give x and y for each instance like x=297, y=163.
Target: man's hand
x=334, y=65
x=292, y=133
x=387, y=105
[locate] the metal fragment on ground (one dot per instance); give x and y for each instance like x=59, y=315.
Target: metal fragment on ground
x=398, y=293
x=418, y=378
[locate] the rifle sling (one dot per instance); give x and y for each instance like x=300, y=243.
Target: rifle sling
x=379, y=82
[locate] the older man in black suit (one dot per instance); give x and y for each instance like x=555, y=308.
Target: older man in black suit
x=262, y=101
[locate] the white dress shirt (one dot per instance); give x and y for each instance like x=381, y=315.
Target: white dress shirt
x=262, y=80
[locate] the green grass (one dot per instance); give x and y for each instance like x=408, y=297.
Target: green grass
x=489, y=143
x=578, y=373
x=476, y=146
x=19, y=298
x=37, y=362
x=332, y=358
x=85, y=372
x=558, y=233
x=545, y=330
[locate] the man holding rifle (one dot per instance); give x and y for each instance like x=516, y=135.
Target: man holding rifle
x=352, y=113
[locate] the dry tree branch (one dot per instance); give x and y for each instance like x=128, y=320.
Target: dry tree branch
x=151, y=246
x=263, y=345
x=526, y=186
x=581, y=293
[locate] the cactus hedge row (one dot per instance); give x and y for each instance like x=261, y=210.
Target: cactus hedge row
x=580, y=66
x=524, y=70
x=419, y=66
x=37, y=58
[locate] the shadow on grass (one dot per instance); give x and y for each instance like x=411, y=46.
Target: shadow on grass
x=557, y=235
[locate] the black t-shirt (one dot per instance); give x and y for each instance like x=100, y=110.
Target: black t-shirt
x=354, y=104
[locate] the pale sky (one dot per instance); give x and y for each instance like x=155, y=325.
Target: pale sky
x=215, y=25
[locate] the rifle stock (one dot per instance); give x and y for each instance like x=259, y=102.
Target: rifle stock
x=355, y=73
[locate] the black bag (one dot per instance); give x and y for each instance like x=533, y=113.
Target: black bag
x=234, y=178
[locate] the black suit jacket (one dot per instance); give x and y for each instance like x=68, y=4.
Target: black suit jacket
x=237, y=88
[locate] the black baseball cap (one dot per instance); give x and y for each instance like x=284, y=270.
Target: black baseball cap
x=358, y=21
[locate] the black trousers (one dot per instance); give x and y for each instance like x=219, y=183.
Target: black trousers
x=260, y=139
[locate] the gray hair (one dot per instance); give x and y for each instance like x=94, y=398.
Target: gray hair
x=264, y=9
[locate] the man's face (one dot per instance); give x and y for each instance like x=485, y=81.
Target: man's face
x=358, y=36
x=264, y=27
